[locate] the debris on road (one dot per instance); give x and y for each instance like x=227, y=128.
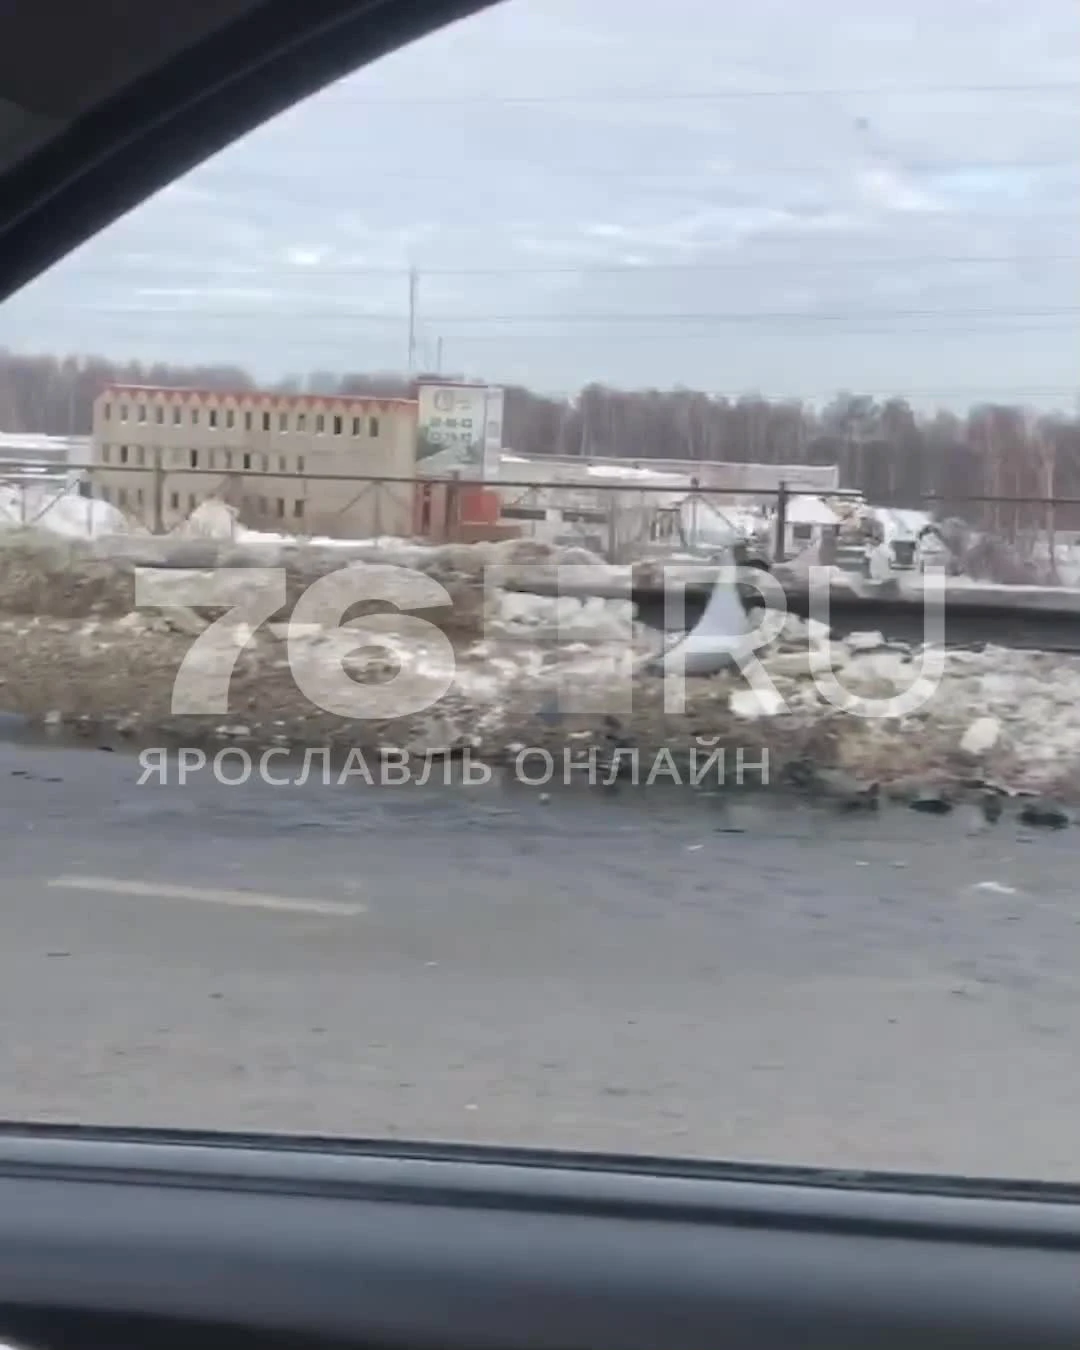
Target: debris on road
x=1047, y=814
x=981, y=736
x=992, y=806
x=932, y=803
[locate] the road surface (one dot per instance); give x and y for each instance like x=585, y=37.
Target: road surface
x=637, y=973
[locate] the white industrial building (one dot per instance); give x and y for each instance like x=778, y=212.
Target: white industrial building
x=809, y=521
x=29, y=456
x=44, y=482
x=627, y=508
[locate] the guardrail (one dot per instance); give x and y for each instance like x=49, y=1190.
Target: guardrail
x=1028, y=618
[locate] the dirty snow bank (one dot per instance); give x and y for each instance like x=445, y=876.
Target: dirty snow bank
x=1006, y=717
x=73, y=651
x=45, y=573
x=215, y=521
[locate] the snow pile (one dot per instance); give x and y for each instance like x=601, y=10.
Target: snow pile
x=538, y=617
x=1010, y=716
x=1013, y=714
x=484, y=563
x=211, y=519
x=48, y=572
x=216, y=520
x=64, y=513
x=1034, y=696
x=809, y=510
x=898, y=523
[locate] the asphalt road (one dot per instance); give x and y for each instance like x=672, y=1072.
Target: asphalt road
x=637, y=973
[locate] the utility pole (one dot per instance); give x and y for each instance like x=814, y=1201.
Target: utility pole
x=412, y=319
x=438, y=356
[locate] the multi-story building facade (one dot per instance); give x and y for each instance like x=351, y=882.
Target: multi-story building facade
x=297, y=463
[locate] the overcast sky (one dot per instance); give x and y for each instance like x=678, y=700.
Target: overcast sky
x=782, y=196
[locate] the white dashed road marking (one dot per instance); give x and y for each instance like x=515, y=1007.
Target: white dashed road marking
x=206, y=895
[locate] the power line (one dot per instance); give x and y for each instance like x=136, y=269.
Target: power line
x=891, y=391
x=283, y=313
x=606, y=171
x=299, y=271
x=721, y=95
x=756, y=316
x=241, y=329
x=966, y=330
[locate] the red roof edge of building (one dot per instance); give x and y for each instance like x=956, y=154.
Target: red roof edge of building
x=189, y=394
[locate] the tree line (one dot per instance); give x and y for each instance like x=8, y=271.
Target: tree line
x=894, y=454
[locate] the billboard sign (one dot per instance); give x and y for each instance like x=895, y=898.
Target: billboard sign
x=467, y=417
x=493, y=430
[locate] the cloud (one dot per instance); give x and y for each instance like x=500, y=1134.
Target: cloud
x=884, y=189
x=304, y=257
x=629, y=161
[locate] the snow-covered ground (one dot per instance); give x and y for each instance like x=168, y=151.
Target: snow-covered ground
x=60, y=511
x=214, y=519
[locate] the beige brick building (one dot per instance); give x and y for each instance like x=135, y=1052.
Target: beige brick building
x=157, y=453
